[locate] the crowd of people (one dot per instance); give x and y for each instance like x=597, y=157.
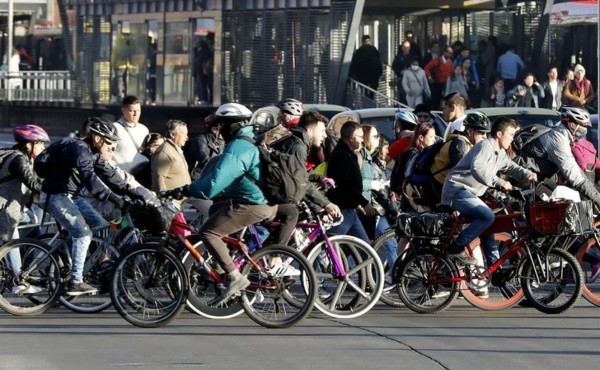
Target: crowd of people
x=489, y=79
x=220, y=172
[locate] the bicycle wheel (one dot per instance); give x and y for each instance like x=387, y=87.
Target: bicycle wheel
x=389, y=295
x=280, y=293
x=504, y=288
x=149, y=286
x=359, y=290
x=559, y=284
x=413, y=284
x=203, y=288
x=591, y=288
x=39, y=270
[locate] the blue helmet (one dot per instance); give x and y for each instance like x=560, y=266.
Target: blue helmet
x=407, y=119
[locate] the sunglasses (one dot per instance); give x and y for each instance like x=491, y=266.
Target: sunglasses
x=111, y=146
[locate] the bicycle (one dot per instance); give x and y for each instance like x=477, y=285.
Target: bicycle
x=46, y=264
x=150, y=283
x=546, y=272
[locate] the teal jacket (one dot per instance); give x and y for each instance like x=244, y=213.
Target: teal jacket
x=239, y=160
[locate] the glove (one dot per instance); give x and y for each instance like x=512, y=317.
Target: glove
x=116, y=200
x=153, y=202
x=178, y=193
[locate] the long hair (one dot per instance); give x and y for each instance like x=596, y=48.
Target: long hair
x=421, y=131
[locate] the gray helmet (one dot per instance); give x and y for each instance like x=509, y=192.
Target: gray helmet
x=478, y=122
x=291, y=106
x=103, y=128
x=575, y=114
x=232, y=113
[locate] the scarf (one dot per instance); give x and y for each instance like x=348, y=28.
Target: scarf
x=582, y=86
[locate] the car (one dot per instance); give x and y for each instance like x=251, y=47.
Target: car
x=267, y=116
x=592, y=134
x=382, y=118
x=525, y=117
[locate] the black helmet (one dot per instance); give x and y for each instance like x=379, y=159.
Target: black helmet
x=104, y=129
x=291, y=106
x=478, y=122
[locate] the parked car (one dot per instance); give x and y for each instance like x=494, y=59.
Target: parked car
x=268, y=115
x=382, y=118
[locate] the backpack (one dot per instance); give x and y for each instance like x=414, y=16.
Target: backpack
x=526, y=136
x=284, y=177
x=532, y=156
x=419, y=184
x=6, y=155
x=49, y=160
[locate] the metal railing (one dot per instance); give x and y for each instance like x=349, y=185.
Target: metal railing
x=37, y=86
x=360, y=96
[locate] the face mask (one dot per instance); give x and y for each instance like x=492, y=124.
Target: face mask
x=581, y=133
x=414, y=68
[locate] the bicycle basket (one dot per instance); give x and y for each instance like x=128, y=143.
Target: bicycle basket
x=154, y=220
x=561, y=218
x=424, y=225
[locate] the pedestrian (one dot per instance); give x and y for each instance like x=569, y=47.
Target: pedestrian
x=169, y=168
x=579, y=92
x=457, y=83
x=415, y=85
x=530, y=94
x=151, y=143
x=204, y=146
x=402, y=63
x=438, y=71
x=366, y=66
x=508, y=67
x=497, y=95
x=553, y=89
x=131, y=135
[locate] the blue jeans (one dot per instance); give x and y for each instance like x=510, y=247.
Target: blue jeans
x=471, y=207
x=389, y=249
x=350, y=226
x=30, y=216
x=81, y=220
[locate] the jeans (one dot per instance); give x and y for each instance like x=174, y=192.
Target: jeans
x=471, y=207
x=81, y=220
x=350, y=226
x=389, y=249
x=31, y=215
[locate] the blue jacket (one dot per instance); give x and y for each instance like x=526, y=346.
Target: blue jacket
x=239, y=160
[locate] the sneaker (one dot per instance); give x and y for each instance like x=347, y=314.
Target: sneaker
x=233, y=288
x=440, y=294
x=482, y=293
x=284, y=269
x=462, y=258
x=24, y=288
x=81, y=288
x=595, y=271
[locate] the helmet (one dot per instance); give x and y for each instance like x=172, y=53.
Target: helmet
x=104, y=129
x=478, y=121
x=574, y=114
x=408, y=119
x=291, y=106
x=30, y=133
x=232, y=113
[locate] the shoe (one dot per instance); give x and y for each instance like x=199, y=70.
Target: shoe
x=595, y=271
x=284, y=269
x=440, y=294
x=80, y=289
x=24, y=288
x=462, y=258
x=234, y=286
x=482, y=293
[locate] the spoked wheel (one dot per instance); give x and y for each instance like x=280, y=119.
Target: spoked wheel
x=389, y=295
x=149, y=286
x=282, y=287
x=552, y=285
x=39, y=271
x=504, y=288
x=588, y=256
x=359, y=288
x=414, y=287
x=204, y=289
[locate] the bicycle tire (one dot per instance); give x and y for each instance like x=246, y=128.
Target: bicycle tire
x=203, y=289
x=568, y=275
x=46, y=274
x=591, y=289
x=411, y=277
x=149, y=286
x=361, y=288
x=266, y=301
x=508, y=292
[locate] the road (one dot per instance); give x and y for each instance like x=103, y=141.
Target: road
x=462, y=337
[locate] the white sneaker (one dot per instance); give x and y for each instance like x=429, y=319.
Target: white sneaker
x=284, y=269
x=440, y=294
x=24, y=288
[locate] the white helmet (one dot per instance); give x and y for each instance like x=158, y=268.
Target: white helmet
x=291, y=106
x=575, y=114
x=233, y=113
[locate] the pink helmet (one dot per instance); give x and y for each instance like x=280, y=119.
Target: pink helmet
x=30, y=133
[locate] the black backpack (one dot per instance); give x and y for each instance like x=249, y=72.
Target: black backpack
x=284, y=177
x=49, y=160
x=530, y=155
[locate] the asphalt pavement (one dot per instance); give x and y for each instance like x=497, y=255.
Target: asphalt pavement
x=462, y=337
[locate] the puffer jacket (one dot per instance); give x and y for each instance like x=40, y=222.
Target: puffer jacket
x=236, y=175
x=18, y=183
x=585, y=156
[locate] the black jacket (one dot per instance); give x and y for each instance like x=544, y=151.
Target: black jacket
x=201, y=148
x=20, y=167
x=298, y=145
x=343, y=168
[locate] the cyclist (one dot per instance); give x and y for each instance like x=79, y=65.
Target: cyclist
x=551, y=152
x=470, y=178
x=235, y=176
x=76, y=169
x=404, y=126
x=18, y=184
x=290, y=112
